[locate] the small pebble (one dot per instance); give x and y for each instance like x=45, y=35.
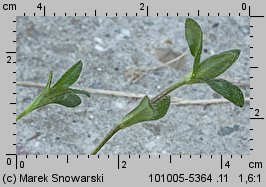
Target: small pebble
x=215, y=25
x=123, y=33
x=36, y=144
x=98, y=40
x=99, y=48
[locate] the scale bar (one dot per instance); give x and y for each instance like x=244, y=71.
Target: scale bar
x=256, y=16
x=221, y=161
x=256, y=118
x=118, y=160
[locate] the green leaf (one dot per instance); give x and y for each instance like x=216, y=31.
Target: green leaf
x=217, y=64
x=48, y=84
x=80, y=92
x=146, y=111
x=68, y=100
x=65, y=96
x=60, y=93
x=194, y=37
x=70, y=76
x=226, y=89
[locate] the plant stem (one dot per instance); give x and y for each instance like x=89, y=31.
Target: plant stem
x=26, y=111
x=106, y=138
x=184, y=81
x=169, y=90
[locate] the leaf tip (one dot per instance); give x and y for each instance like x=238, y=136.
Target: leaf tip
x=79, y=62
x=83, y=92
x=236, y=53
x=242, y=100
x=190, y=20
x=50, y=77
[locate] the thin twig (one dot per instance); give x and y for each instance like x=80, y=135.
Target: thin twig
x=169, y=62
x=36, y=135
x=202, y=101
x=148, y=70
x=175, y=100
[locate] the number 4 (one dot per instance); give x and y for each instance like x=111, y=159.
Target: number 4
x=227, y=164
x=39, y=6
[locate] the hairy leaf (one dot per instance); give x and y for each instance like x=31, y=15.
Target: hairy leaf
x=226, y=89
x=68, y=100
x=194, y=37
x=146, y=111
x=60, y=93
x=70, y=76
x=217, y=64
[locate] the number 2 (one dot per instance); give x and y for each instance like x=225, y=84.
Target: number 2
x=8, y=59
x=141, y=6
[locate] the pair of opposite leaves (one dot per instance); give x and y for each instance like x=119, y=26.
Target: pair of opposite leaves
x=203, y=72
x=61, y=93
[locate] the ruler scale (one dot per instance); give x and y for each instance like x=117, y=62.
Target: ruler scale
x=132, y=170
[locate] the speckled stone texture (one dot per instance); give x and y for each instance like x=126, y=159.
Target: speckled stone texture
x=111, y=49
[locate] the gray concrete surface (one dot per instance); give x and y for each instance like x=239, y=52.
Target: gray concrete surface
x=110, y=49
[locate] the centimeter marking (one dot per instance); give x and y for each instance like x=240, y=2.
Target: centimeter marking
x=120, y=163
x=119, y=166
x=147, y=13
